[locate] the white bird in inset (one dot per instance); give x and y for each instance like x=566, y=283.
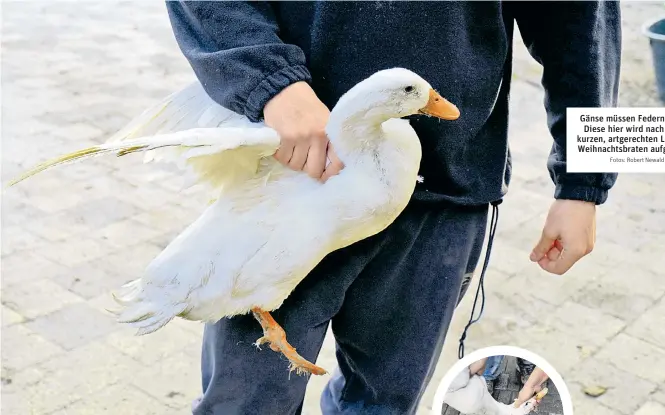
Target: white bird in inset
x=469, y=395
x=269, y=226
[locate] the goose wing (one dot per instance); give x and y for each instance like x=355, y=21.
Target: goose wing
x=220, y=147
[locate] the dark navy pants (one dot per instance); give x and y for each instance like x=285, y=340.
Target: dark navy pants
x=389, y=298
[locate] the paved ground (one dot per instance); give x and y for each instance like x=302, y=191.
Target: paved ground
x=74, y=72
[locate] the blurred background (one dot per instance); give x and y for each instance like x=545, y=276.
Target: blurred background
x=75, y=72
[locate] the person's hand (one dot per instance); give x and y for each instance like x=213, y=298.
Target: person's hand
x=532, y=386
x=569, y=234
x=526, y=393
x=478, y=367
x=300, y=118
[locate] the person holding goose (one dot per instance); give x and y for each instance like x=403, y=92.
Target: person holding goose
x=389, y=298
x=370, y=218
x=468, y=393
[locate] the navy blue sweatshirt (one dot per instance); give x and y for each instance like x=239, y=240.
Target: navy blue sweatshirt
x=244, y=53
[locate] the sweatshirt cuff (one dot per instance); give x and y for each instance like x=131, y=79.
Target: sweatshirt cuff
x=271, y=86
x=583, y=193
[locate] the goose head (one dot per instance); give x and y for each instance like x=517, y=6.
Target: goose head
x=530, y=405
x=391, y=93
x=524, y=409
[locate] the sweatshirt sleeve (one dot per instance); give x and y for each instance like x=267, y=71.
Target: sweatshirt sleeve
x=579, y=46
x=236, y=53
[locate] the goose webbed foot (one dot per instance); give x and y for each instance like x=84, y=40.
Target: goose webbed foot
x=274, y=334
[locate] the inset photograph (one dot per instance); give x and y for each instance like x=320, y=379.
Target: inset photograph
x=502, y=383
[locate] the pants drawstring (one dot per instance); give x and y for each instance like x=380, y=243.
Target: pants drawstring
x=481, y=284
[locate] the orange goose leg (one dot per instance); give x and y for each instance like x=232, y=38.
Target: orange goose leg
x=274, y=334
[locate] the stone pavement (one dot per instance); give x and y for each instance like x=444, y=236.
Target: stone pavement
x=75, y=72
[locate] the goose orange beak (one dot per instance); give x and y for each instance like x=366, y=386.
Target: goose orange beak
x=438, y=106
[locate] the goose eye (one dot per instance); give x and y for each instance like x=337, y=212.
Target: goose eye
x=408, y=89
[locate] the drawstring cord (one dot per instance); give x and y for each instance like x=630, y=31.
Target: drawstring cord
x=481, y=284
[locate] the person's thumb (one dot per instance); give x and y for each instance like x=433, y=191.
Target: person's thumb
x=543, y=246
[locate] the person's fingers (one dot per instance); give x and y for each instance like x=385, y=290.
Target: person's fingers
x=553, y=254
x=299, y=157
x=332, y=155
x=524, y=395
x=543, y=246
x=316, y=159
x=518, y=402
x=532, y=403
x=284, y=153
x=332, y=170
x=567, y=258
x=478, y=367
x=335, y=165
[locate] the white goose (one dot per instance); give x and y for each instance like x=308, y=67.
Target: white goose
x=469, y=395
x=270, y=226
